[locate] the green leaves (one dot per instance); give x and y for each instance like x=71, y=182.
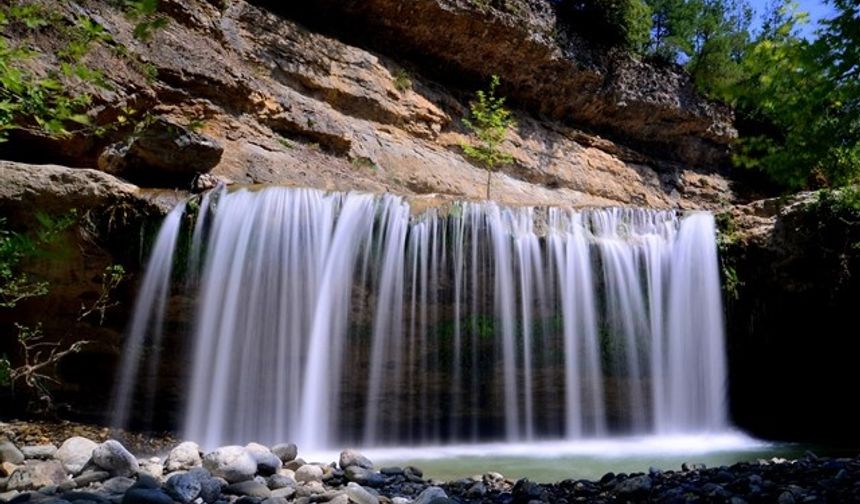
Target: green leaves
x=488, y=121
x=145, y=13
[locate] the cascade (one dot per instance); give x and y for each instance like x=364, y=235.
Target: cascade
x=326, y=319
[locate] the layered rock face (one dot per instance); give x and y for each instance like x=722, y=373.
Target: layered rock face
x=291, y=106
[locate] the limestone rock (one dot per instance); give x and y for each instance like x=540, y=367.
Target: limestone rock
x=114, y=458
x=233, y=463
x=75, y=452
x=183, y=457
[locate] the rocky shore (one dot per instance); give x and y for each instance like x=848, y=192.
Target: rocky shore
x=82, y=471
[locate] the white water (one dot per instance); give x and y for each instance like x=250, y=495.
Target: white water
x=327, y=319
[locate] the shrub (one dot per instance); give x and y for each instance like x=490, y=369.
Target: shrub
x=625, y=23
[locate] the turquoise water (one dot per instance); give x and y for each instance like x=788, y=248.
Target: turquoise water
x=549, y=461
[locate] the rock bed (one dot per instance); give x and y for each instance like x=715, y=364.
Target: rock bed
x=82, y=471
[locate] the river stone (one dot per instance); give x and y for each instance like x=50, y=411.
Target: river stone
x=233, y=463
x=10, y=453
x=634, y=485
x=340, y=499
x=88, y=477
x=7, y=468
x=359, y=495
x=364, y=476
x=114, y=458
x=146, y=496
x=210, y=487
x=349, y=458
x=152, y=467
x=277, y=500
x=400, y=500
x=249, y=488
x=40, y=452
x=285, y=451
x=75, y=452
x=183, y=488
x=429, y=495
x=277, y=481
x=309, y=472
x=117, y=485
x=310, y=488
x=37, y=475
x=267, y=462
x=284, y=493
x=183, y=457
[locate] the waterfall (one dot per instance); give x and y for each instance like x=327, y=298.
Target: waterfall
x=327, y=319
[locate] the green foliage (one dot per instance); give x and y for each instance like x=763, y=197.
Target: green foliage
x=145, y=14
x=673, y=25
x=844, y=201
x=402, y=80
x=625, y=23
x=719, y=38
x=488, y=122
x=800, y=102
x=48, y=103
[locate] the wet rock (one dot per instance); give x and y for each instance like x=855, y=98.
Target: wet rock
x=285, y=451
x=364, y=476
x=359, y=495
x=75, y=452
x=267, y=462
x=233, y=463
x=429, y=495
x=634, y=486
x=249, y=488
x=183, y=488
x=37, y=475
x=114, y=458
x=309, y=472
x=146, y=496
x=118, y=485
x=40, y=452
x=183, y=457
x=152, y=466
x=10, y=453
x=162, y=153
x=349, y=458
x=391, y=471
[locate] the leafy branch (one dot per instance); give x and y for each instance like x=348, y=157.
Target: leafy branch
x=488, y=121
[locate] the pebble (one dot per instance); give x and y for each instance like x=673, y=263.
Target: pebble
x=429, y=495
x=350, y=458
x=309, y=472
x=249, y=488
x=183, y=488
x=359, y=495
x=40, y=452
x=10, y=453
x=285, y=451
x=267, y=462
x=183, y=457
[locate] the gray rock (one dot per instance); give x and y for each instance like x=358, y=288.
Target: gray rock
x=786, y=498
x=233, y=463
x=309, y=472
x=75, y=452
x=8, y=496
x=634, y=485
x=277, y=481
x=478, y=489
x=89, y=477
x=429, y=495
x=284, y=493
x=117, y=485
x=340, y=499
x=114, y=458
x=349, y=458
x=10, y=453
x=364, y=476
x=359, y=495
x=210, y=487
x=310, y=488
x=400, y=500
x=153, y=467
x=146, y=496
x=183, y=457
x=163, y=152
x=275, y=500
x=40, y=452
x=249, y=488
x=267, y=462
x=184, y=487
x=285, y=451
x=37, y=475
x=392, y=471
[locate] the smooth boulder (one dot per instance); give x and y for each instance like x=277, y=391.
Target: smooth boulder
x=286, y=451
x=349, y=458
x=75, y=452
x=183, y=488
x=10, y=453
x=267, y=462
x=114, y=458
x=183, y=457
x=233, y=463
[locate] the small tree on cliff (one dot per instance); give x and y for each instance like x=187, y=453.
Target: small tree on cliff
x=488, y=122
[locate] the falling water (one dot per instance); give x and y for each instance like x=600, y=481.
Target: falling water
x=339, y=318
